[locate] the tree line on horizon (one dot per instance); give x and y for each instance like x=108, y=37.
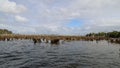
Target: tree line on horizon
x=113, y=34
x=5, y=31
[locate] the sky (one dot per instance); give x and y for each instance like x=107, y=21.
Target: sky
x=63, y=17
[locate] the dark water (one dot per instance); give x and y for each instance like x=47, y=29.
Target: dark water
x=77, y=54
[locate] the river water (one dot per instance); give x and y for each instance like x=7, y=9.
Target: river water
x=75, y=54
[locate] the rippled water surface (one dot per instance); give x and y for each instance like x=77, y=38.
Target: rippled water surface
x=76, y=54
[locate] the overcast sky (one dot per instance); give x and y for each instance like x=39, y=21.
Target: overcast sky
x=70, y=17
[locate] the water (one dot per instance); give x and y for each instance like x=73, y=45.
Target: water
x=76, y=54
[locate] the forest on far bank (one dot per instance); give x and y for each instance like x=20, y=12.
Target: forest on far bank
x=5, y=31
x=113, y=34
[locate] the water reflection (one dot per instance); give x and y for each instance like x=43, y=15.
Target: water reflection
x=76, y=54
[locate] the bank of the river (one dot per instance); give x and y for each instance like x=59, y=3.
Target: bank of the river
x=54, y=38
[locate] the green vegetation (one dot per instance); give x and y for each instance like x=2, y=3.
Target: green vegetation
x=114, y=34
x=5, y=31
x=113, y=37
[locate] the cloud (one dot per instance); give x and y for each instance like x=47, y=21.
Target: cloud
x=11, y=7
x=52, y=16
x=20, y=19
x=102, y=13
x=18, y=29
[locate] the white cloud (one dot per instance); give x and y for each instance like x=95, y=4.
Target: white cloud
x=18, y=29
x=95, y=10
x=51, y=16
x=99, y=15
x=11, y=7
x=21, y=19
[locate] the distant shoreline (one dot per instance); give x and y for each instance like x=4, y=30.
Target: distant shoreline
x=36, y=38
x=114, y=37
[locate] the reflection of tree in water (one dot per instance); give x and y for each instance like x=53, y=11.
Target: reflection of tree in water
x=96, y=41
x=119, y=53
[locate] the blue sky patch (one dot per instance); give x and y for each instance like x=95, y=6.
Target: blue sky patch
x=75, y=23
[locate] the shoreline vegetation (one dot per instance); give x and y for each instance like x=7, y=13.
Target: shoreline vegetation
x=113, y=37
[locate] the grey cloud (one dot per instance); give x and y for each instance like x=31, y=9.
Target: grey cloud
x=51, y=16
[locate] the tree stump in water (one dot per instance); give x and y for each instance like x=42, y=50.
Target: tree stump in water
x=55, y=41
x=35, y=41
